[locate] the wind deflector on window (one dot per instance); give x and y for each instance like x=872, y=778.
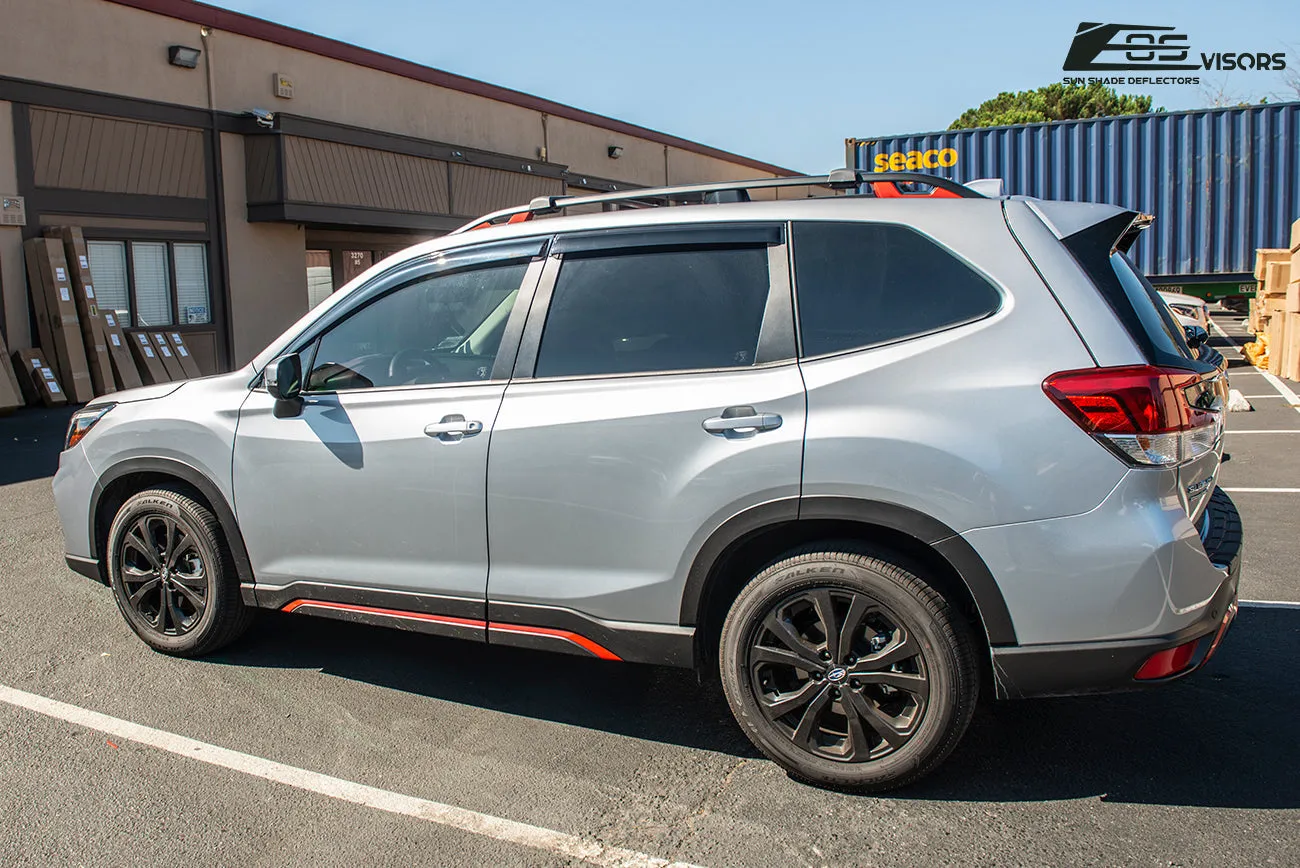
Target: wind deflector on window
x=692, y=235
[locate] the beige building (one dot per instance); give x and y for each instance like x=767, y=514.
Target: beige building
x=134, y=120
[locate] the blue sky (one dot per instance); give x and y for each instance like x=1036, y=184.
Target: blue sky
x=784, y=82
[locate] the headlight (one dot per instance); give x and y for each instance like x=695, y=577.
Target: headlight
x=82, y=421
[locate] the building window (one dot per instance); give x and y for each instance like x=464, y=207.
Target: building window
x=152, y=283
x=320, y=277
x=329, y=268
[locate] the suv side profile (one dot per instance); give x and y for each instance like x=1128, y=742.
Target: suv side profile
x=863, y=456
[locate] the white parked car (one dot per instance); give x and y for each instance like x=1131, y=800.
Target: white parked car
x=1188, y=309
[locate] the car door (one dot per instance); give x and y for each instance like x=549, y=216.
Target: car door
x=656, y=396
x=372, y=495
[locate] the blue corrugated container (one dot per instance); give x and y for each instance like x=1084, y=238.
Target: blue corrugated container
x=1220, y=182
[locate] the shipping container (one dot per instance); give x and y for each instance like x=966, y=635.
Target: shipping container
x=1221, y=182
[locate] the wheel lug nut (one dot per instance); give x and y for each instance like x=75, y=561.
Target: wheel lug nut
x=826, y=655
x=835, y=692
x=854, y=683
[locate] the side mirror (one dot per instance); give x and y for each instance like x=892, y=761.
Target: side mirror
x=283, y=378
x=1195, y=335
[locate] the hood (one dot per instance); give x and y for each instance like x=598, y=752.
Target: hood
x=144, y=393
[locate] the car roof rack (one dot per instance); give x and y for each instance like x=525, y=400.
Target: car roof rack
x=881, y=184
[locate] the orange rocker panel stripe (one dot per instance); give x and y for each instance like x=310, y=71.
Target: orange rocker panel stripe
x=572, y=638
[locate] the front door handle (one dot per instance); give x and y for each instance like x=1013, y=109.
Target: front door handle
x=453, y=428
x=741, y=422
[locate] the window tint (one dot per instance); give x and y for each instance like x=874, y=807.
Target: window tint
x=860, y=284
x=655, y=311
x=444, y=328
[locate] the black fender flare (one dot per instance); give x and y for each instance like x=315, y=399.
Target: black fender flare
x=924, y=529
x=191, y=476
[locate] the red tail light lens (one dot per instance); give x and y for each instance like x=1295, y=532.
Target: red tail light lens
x=1148, y=415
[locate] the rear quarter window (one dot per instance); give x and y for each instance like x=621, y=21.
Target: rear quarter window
x=859, y=285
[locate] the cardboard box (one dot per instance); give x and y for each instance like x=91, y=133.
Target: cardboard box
x=1293, y=297
x=167, y=356
x=124, y=368
x=12, y=391
x=1264, y=256
x=1276, y=276
x=42, y=384
x=56, y=316
x=1291, y=355
x=183, y=356
x=83, y=292
x=147, y=361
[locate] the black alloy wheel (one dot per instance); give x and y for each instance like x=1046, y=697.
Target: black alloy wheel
x=173, y=575
x=839, y=673
x=849, y=670
x=163, y=573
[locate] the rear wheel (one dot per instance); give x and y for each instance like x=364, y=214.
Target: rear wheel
x=848, y=670
x=172, y=574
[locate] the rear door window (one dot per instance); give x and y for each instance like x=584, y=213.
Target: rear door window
x=863, y=284
x=641, y=311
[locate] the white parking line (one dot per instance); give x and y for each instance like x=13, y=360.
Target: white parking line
x=1269, y=604
x=1283, y=389
x=486, y=825
x=1263, y=490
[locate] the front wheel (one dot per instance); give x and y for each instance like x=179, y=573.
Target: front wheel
x=172, y=575
x=848, y=670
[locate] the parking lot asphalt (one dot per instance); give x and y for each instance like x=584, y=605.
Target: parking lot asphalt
x=1202, y=772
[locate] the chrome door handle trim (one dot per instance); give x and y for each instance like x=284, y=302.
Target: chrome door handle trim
x=742, y=424
x=453, y=427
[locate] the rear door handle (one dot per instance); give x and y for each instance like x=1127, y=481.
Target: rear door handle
x=741, y=422
x=452, y=428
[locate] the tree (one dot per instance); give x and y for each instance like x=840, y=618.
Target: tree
x=1055, y=102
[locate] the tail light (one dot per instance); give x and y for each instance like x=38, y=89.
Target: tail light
x=1149, y=416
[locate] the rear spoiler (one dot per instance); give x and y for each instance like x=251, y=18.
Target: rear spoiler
x=1092, y=226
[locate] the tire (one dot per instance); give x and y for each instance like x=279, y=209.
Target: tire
x=908, y=670
x=200, y=571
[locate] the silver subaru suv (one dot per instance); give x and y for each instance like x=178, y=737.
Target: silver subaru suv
x=865, y=456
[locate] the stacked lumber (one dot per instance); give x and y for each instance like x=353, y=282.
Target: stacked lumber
x=1275, y=310
x=1263, y=259
x=1290, y=367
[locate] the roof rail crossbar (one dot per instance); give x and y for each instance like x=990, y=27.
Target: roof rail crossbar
x=839, y=179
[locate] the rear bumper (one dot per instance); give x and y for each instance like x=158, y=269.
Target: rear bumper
x=1103, y=667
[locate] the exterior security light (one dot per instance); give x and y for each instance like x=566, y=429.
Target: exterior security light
x=184, y=56
x=615, y=152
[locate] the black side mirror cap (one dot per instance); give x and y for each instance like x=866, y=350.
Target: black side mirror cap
x=283, y=379
x=1195, y=336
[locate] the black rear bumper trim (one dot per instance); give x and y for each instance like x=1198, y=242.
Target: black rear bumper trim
x=1105, y=667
